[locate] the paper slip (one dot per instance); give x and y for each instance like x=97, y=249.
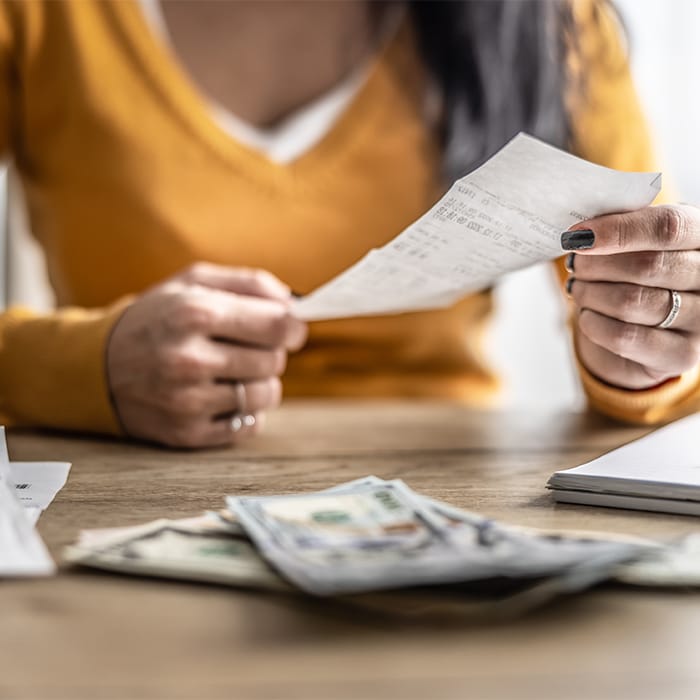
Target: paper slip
x=506, y=215
x=37, y=483
x=22, y=552
x=660, y=471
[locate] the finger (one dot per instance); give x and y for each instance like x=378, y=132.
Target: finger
x=217, y=399
x=240, y=280
x=661, y=350
x=243, y=319
x=666, y=227
x=257, y=396
x=260, y=322
x=616, y=370
x=631, y=303
x=678, y=270
x=243, y=364
x=200, y=360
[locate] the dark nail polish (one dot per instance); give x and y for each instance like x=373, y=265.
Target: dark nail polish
x=581, y=239
x=570, y=285
x=569, y=263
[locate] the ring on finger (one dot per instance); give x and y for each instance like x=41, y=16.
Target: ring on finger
x=241, y=418
x=239, y=421
x=676, y=302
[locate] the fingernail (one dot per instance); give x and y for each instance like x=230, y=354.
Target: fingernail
x=581, y=239
x=570, y=285
x=569, y=263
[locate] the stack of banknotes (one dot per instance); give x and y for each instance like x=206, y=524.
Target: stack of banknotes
x=374, y=535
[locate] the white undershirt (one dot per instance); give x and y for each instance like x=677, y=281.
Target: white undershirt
x=296, y=134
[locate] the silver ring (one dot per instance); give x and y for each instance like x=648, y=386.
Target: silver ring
x=675, y=310
x=241, y=397
x=239, y=421
x=241, y=418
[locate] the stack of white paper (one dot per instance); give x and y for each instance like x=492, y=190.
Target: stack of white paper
x=506, y=215
x=660, y=471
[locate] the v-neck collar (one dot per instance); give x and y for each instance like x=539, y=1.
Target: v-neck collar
x=192, y=107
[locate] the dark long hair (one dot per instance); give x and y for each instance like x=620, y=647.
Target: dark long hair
x=501, y=68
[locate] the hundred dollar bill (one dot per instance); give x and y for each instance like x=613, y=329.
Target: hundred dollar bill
x=210, y=521
x=195, y=549
x=375, y=536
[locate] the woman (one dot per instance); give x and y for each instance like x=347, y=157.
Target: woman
x=279, y=141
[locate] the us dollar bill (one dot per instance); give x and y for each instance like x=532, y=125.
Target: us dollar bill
x=377, y=535
x=196, y=549
x=373, y=535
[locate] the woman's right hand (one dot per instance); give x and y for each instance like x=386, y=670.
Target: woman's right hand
x=175, y=356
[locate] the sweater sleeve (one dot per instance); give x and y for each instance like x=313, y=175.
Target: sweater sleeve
x=52, y=370
x=609, y=128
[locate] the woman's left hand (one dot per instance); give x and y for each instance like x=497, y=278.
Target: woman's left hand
x=624, y=270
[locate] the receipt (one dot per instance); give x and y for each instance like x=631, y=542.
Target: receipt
x=506, y=215
x=22, y=551
x=37, y=483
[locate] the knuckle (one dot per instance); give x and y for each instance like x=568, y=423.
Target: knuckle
x=195, y=271
x=626, y=338
x=263, y=278
x=279, y=326
x=673, y=226
x=192, y=315
x=624, y=231
x=650, y=266
x=279, y=362
x=269, y=363
x=257, y=277
x=631, y=300
x=184, y=363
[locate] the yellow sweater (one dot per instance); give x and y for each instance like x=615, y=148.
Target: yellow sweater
x=128, y=180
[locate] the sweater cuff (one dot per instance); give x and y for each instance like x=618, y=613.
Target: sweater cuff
x=57, y=370
x=669, y=400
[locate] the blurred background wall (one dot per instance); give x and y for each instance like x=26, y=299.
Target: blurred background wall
x=528, y=344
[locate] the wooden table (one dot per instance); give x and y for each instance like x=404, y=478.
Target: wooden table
x=90, y=635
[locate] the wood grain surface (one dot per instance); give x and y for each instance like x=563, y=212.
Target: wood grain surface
x=88, y=635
